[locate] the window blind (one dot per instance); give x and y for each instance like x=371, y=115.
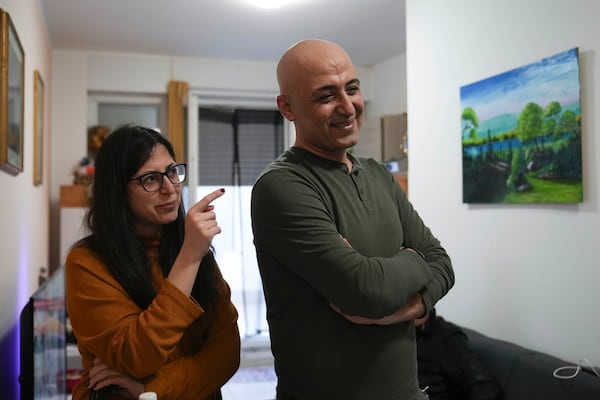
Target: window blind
x=235, y=145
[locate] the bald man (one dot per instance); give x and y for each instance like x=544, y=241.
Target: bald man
x=346, y=262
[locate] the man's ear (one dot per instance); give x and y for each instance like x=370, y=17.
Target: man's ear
x=285, y=108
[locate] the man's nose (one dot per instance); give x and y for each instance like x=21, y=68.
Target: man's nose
x=346, y=106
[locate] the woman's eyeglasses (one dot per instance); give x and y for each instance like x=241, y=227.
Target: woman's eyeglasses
x=153, y=181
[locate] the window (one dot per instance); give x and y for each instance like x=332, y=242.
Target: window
x=113, y=110
x=113, y=115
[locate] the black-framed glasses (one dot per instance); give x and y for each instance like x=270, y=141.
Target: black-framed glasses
x=153, y=181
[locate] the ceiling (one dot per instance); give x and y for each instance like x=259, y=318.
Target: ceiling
x=370, y=30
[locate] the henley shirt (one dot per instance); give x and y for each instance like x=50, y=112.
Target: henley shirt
x=325, y=235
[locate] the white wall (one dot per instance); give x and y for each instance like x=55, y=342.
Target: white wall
x=388, y=87
x=24, y=207
x=527, y=273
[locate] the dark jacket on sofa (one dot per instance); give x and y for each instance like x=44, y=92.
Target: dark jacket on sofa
x=448, y=366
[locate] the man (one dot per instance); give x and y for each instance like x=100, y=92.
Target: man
x=346, y=262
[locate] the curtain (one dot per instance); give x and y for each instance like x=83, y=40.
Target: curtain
x=176, y=96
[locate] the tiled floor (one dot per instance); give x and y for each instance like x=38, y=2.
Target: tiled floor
x=251, y=384
x=256, y=379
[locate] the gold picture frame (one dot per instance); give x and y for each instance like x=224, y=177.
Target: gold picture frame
x=12, y=94
x=38, y=128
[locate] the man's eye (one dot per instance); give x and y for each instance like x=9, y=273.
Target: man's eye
x=353, y=90
x=326, y=97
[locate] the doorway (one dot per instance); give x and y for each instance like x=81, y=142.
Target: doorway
x=230, y=140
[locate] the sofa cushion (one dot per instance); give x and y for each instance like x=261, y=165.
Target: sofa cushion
x=527, y=374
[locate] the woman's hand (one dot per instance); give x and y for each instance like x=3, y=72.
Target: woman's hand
x=101, y=376
x=201, y=227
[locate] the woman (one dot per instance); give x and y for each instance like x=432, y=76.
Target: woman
x=147, y=302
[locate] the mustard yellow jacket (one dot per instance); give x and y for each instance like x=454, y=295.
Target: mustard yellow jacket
x=175, y=347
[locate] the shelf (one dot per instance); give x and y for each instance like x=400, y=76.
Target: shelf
x=74, y=196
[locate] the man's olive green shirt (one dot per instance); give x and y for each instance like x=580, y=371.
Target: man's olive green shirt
x=324, y=235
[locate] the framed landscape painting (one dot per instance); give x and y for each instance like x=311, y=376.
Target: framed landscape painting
x=12, y=83
x=521, y=134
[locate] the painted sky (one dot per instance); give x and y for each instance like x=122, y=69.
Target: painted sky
x=554, y=78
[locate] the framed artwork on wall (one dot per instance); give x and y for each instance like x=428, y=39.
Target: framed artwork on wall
x=38, y=127
x=521, y=134
x=12, y=93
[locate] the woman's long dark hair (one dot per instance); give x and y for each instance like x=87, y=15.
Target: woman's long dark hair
x=110, y=221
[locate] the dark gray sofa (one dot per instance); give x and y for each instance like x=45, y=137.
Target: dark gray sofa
x=527, y=374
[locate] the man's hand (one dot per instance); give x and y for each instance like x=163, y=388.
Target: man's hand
x=413, y=309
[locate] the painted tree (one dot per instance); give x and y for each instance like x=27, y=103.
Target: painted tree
x=568, y=156
x=568, y=123
x=470, y=122
x=530, y=121
x=551, y=114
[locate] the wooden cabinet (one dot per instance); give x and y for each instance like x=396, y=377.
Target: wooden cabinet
x=385, y=139
x=73, y=207
x=394, y=138
x=403, y=181
x=73, y=196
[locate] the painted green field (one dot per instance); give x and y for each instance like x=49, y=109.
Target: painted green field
x=548, y=191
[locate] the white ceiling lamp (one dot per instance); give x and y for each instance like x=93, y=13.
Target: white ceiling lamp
x=269, y=4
